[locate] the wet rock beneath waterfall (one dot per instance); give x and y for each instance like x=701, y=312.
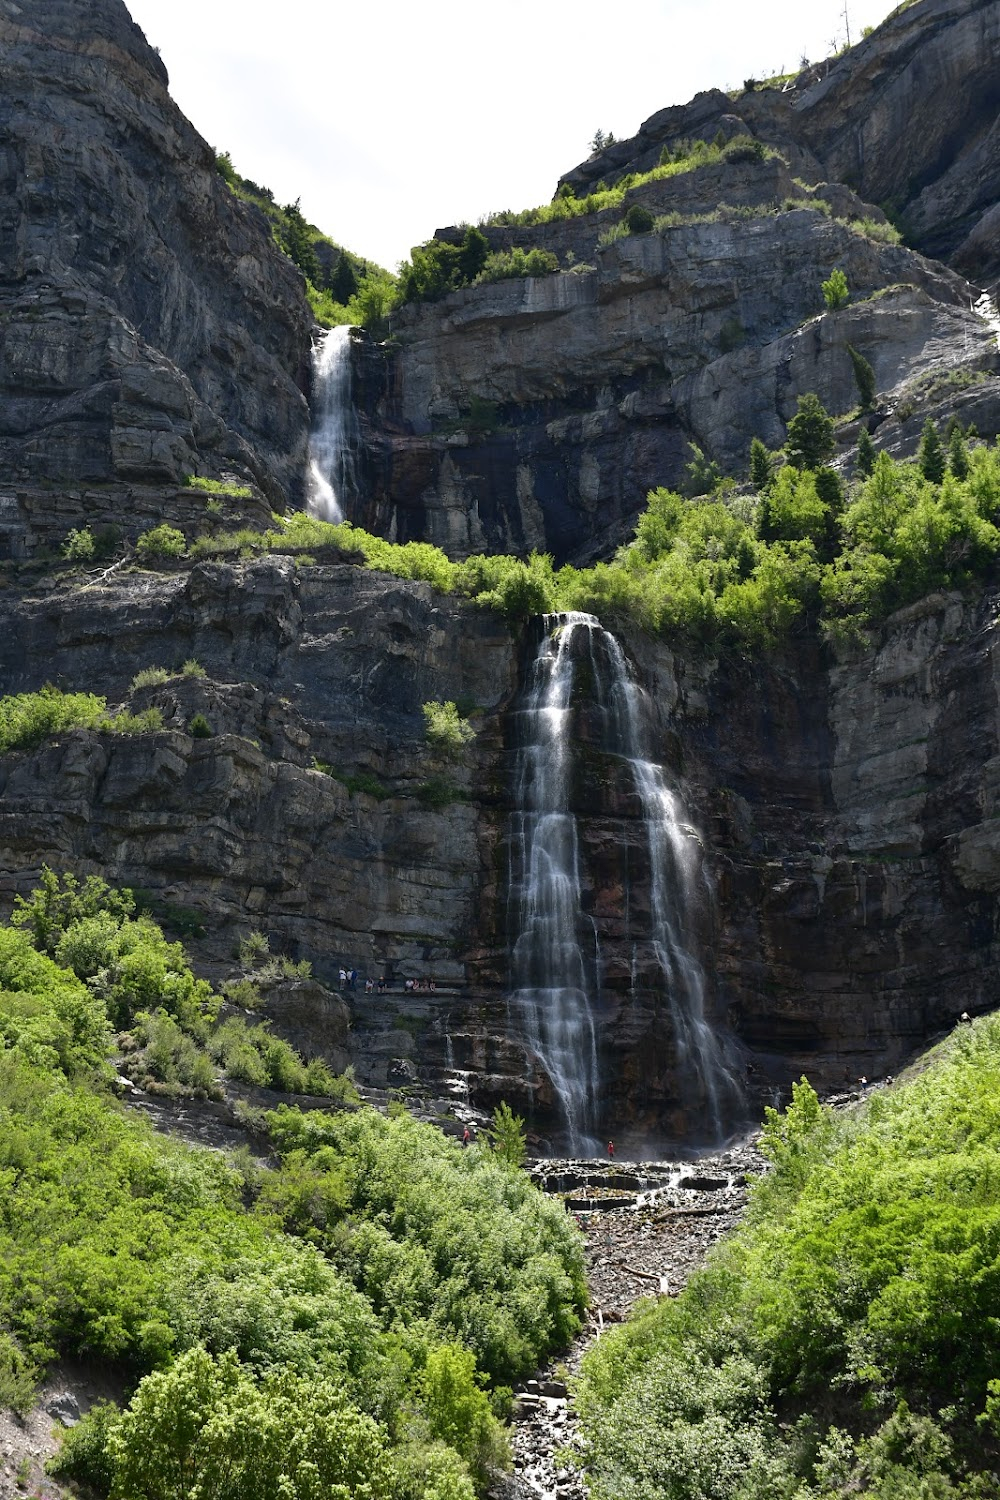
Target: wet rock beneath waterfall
x=675, y=1213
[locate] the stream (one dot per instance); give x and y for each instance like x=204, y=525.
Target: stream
x=647, y=1226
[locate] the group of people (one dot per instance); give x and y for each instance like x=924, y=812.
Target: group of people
x=349, y=982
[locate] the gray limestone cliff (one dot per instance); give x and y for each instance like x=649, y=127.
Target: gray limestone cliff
x=539, y=412
x=149, y=326
x=848, y=812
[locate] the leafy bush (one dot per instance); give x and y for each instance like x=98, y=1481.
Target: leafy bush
x=745, y=148
x=159, y=544
x=418, y=1201
x=199, y=728
x=79, y=546
x=864, y=378
x=836, y=292
x=27, y=719
x=501, y=265
x=638, y=219
x=219, y=487
x=447, y=732
x=867, y=1268
x=192, y=668
x=149, y=677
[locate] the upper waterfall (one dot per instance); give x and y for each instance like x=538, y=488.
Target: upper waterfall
x=330, y=473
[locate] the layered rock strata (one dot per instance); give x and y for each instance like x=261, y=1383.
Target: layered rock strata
x=848, y=812
x=149, y=326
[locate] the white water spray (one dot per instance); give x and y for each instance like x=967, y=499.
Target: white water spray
x=555, y=954
x=677, y=887
x=556, y=960
x=986, y=309
x=330, y=473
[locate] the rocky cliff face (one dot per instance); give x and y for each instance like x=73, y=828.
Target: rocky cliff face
x=149, y=327
x=847, y=809
x=538, y=413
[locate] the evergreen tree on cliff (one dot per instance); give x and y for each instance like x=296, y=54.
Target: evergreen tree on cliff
x=810, y=441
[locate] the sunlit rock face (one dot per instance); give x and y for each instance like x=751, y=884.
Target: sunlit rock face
x=150, y=326
x=539, y=412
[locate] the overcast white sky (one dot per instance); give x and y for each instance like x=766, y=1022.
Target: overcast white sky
x=389, y=118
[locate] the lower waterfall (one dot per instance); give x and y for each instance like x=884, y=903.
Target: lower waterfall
x=556, y=960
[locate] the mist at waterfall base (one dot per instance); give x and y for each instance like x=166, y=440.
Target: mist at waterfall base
x=557, y=978
x=332, y=441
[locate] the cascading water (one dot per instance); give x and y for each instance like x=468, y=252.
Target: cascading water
x=330, y=474
x=555, y=959
x=677, y=887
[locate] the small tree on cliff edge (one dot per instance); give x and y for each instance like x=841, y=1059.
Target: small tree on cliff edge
x=865, y=461
x=506, y=1135
x=761, y=467
x=810, y=441
x=930, y=454
x=864, y=378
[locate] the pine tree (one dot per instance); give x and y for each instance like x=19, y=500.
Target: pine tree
x=930, y=454
x=701, y=475
x=761, y=472
x=865, y=461
x=864, y=378
x=958, y=454
x=810, y=440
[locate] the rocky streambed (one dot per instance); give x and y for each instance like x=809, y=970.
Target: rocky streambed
x=648, y=1226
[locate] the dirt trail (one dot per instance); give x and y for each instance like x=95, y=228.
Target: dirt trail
x=648, y=1226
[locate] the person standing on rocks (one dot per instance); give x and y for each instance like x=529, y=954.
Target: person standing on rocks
x=611, y=1151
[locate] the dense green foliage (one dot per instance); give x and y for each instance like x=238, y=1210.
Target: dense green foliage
x=447, y=731
x=27, y=719
x=862, y=1290
x=341, y=287
x=332, y=1319
x=731, y=571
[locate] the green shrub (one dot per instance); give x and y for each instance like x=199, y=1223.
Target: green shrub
x=611, y=234
x=27, y=719
x=638, y=219
x=836, y=292
x=864, y=378
x=192, y=668
x=447, y=732
x=506, y=1135
x=811, y=437
x=501, y=265
x=865, y=1270
x=79, y=546
x=931, y=455
x=160, y=544
x=745, y=148
x=149, y=677
x=219, y=487
x=199, y=728
x=865, y=461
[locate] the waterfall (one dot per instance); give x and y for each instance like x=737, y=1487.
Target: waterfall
x=678, y=886
x=330, y=474
x=555, y=958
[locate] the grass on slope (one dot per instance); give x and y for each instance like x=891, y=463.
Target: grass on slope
x=727, y=571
